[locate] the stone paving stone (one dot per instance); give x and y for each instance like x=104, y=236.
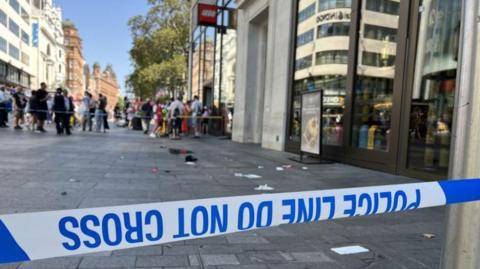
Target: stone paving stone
x=181, y=250
x=151, y=250
x=311, y=257
x=247, y=239
x=158, y=261
x=194, y=260
x=248, y=266
x=56, y=263
x=219, y=259
x=107, y=262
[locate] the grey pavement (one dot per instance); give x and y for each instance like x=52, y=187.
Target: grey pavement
x=46, y=172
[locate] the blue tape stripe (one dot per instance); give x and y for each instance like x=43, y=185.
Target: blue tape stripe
x=461, y=191
x=10, y=251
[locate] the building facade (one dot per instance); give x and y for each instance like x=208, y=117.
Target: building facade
x=103, y=82
x=213, y=56
x=16, y=52
x=75, y=78
x=387, y=69
x=47, y=45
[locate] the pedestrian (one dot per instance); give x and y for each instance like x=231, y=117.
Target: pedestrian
x=42, y=107
x=158, y=119
x=32, y=111
x=3, y=107
x=19, y=104
x=204, y=125
x=100, y=114
x=147, y=114
x=186, y=125
x=196, y=109
x=175, y=115
x=105, y=113
x=63, y=108
x=86, y=119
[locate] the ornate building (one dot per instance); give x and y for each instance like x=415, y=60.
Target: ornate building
x=74, y=60
x=102, y=82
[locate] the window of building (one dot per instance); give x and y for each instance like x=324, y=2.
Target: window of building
x=15, y=5
x=333, y=29
x=332, y=57
x=25, y=15
x=380, y=33
x=3, y=70
x=331, y=4
x=378, y=59
x=14, y=27
x=3, y=45
x=25, y=38
x=384, y=6
x=13, y=74
x=305, y=38
x=13, y=51
x=304, y=62
x=3, y=18
x=307, y=13
x=25, y=59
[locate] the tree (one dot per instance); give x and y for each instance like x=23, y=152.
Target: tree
x=160, y=48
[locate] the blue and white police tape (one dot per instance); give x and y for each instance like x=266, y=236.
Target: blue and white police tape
x=33, y=236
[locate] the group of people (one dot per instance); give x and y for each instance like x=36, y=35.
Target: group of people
x=173, y=117
x=36, y=108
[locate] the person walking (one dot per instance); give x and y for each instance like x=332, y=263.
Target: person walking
x=147, y=113
x=19, y=104
x=86, y=102
x=176, y=111
x=105, y=113
x=3, y=107
x=42, y=107
x=196, y=108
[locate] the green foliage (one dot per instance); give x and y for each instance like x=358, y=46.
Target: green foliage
x=160, y=48
x=121, y=103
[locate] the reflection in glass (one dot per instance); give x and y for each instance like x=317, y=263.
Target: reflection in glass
x=434, y=86
x=373, y=92
x=321, y=64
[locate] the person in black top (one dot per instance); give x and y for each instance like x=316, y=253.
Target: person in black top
x=3, y=107
x=147, y=113
x=42, y=107
x=63, y=107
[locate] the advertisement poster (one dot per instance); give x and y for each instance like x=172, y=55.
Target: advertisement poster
x=311, y=122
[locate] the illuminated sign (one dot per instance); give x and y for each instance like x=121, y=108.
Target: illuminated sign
x=207, y=14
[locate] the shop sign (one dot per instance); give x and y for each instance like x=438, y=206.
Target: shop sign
x=333, y=101
x=336, y=15
x=207, y=15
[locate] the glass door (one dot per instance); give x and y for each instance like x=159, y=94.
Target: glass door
x=377, y=81
x=431, y=93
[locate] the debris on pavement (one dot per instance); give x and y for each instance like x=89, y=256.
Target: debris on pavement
x=305, y=168
x=190, y=163
x=179, y=151
x=154, y=170
x=280, y=169
x=428, y=236
x=238, y=175
x=349, y=250
x=190, y=159
x=261, y=167
x=264, y=188
x=64, y=193
x=252, y=176
x=73, y=180
x=287, y=166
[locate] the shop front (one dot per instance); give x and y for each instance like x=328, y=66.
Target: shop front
x=388, y=72
x=12, y=76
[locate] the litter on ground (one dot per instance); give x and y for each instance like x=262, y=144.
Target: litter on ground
x=350, y=250
x=264, y=188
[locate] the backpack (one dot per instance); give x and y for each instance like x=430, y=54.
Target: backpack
x=176, y=112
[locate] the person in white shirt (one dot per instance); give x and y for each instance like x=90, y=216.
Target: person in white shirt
x=175, y=111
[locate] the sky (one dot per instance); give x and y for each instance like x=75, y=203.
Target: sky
x=104, y=30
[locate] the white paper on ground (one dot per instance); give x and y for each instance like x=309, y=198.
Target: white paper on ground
x=252, y=176
x=264, y=188
x=350, y=250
